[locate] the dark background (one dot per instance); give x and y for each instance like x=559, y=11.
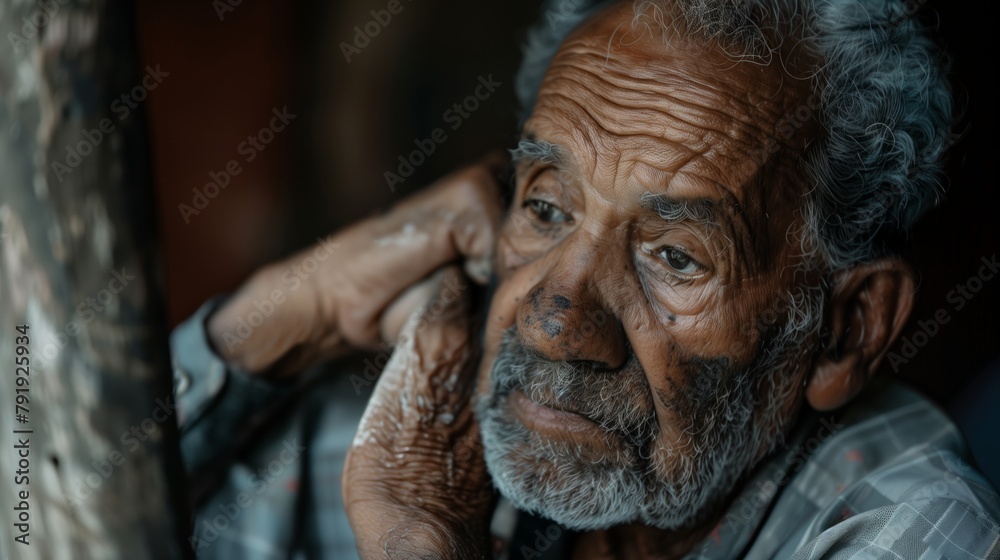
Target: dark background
x=354, y=118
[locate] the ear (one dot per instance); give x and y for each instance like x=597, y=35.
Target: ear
x=869, y=306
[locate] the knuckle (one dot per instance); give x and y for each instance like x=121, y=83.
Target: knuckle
x=476, y=183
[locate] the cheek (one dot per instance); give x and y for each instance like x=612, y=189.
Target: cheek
x=683, y=360
x=513, y=286
x=723, y=330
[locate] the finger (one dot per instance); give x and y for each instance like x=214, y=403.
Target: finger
x=418, y=438
x=441, y=341
x=425, y=388
x=459, y=217
x=391, y=255
x=404, y=306
x=455, y=221
x=475, y=232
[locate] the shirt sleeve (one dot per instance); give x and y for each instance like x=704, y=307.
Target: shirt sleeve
x=213, y=402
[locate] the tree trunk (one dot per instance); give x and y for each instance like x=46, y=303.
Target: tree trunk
x=91, y=469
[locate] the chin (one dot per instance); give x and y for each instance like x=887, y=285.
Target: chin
x=601, y=484
x=581, y=487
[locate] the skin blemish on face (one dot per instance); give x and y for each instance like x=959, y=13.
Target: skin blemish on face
x=552, y=328
x=561, y=302
x=535, y=297
x=703, y=378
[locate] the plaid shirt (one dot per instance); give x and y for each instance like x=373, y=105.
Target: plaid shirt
x=886, y=477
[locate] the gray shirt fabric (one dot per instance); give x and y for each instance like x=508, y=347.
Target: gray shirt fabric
x=884, y=478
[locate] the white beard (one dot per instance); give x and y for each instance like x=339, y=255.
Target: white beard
x=665, y=484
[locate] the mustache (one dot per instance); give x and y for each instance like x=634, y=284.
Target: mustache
x=619, y=401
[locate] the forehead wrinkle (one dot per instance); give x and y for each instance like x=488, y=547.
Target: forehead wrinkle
x=588, y=134
x=638, y=113
x=678, y=145
x=585, y=138
x=679, y=85
x=635, y=90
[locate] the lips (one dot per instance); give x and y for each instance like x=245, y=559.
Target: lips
x=553, y=422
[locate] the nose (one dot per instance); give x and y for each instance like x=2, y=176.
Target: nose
x=563, y=318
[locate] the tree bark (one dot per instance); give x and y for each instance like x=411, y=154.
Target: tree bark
x=79, y=269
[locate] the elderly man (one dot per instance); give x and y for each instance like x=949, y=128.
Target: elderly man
x=695, y=281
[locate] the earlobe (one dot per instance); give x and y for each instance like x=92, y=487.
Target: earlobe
x=868, y=308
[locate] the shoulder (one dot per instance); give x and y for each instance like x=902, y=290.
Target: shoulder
x=892, y=480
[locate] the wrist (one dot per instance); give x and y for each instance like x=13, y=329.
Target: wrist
x=251, y=331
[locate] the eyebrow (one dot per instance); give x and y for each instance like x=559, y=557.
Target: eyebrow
x=529, y=149
x=674, y=210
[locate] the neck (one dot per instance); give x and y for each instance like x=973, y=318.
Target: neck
x=642, y=542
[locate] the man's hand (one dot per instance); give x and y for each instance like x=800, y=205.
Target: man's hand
x=334, y=296
x=415, y=482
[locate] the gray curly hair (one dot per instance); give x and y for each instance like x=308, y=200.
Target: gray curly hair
x=884, y=104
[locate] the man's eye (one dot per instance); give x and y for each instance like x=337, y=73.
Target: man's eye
x=679, y=261
x=546, y=212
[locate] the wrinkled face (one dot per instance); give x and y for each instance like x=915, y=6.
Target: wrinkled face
x=638, y=353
